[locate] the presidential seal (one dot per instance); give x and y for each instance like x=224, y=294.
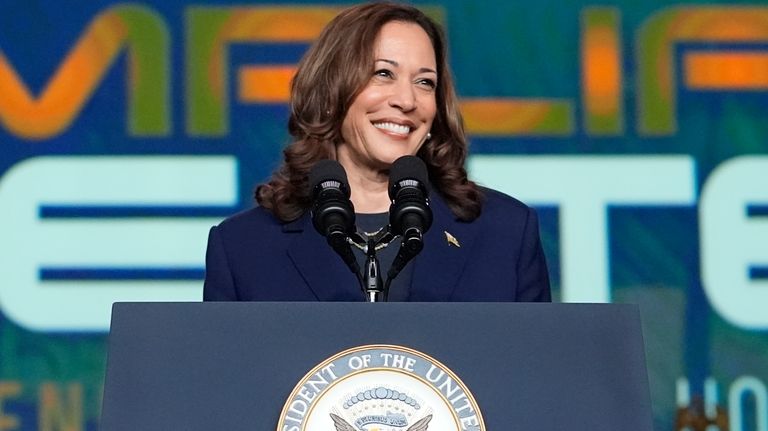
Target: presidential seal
x=380, y=388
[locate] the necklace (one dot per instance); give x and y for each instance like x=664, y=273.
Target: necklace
x=374, y=233
x=370, y=235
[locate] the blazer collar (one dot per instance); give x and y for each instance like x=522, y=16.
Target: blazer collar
x=447, y=245
x=436, y=271
x=321, y=268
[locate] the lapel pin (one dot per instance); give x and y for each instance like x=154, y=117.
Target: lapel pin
x=451, y=239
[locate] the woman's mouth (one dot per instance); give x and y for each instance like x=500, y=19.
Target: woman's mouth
x=394, y=128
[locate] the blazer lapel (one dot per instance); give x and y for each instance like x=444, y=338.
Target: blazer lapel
x=323, y=270
x=437, y=270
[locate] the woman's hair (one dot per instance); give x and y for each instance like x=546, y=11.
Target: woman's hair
x=331, y=74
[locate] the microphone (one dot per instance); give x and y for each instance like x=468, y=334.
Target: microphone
x=409, y=213
x=333, y=215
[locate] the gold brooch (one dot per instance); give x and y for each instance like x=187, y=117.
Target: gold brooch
x=451, y=239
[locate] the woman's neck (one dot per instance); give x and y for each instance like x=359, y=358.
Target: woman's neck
x=369, y=193
x=369, y=188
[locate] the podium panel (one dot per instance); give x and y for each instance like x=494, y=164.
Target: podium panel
x=234, y=366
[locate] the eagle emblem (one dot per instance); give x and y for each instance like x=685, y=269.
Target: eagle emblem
x=342, y=425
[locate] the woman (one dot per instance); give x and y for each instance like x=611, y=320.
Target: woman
x=376, y=86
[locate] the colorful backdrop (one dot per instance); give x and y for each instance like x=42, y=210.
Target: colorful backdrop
x=637, y=129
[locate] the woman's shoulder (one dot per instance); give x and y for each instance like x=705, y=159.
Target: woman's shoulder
x=506, y=218
x=257, y=220
x=499, y=203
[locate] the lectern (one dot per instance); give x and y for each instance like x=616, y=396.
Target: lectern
x=302, y=366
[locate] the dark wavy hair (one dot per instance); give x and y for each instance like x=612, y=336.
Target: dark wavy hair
x=331, y=74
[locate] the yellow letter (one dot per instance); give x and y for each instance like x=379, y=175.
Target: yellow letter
x=601, y=79
x=656, y=101
x=55, y=414
x=70, y=87
x=8, y=390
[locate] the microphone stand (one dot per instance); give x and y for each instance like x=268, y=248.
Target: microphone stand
x=371, y=280
x=372, y=284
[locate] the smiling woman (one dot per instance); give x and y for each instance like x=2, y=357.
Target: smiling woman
x=386, y=62
x=374, y=87
x=391, y=116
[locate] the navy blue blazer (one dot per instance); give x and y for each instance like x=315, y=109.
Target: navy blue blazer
x=498, y=257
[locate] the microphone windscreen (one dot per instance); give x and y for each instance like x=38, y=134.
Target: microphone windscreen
x=327, y=170
x=407, y=168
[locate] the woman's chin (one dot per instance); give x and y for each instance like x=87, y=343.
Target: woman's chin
x=390, y=158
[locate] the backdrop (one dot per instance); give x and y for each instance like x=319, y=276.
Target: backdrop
x=637, y=129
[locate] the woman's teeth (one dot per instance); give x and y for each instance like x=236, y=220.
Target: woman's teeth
x=392, y=127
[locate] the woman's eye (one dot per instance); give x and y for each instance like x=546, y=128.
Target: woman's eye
x=428, y=83
x=384, y=73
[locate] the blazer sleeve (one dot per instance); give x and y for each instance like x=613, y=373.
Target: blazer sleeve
x=532, y=271
x=219, y=284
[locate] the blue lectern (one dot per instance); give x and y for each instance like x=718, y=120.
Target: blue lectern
x=236, y=366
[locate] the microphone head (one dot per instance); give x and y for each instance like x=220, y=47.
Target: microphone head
x=332, y=212
x=324, y=171
x=405, y=171
x=409, y=194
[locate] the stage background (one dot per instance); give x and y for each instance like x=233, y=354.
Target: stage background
x=637, y=129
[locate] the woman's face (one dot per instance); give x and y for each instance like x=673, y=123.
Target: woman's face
x=392, y=115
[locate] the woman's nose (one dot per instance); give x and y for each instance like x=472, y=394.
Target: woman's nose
x=403, y=97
